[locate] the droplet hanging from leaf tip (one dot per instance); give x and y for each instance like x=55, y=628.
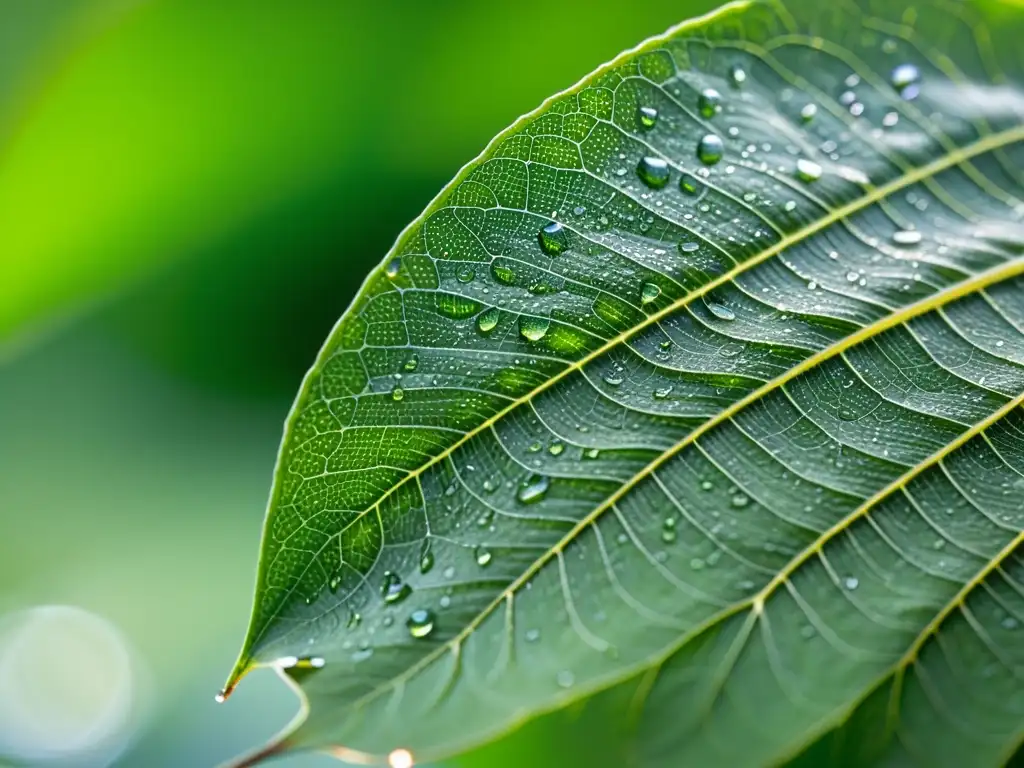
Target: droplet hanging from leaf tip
x=400, y=758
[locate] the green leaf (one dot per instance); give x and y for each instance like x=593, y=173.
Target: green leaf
x=692, y=406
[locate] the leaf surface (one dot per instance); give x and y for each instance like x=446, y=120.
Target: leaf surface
x=695, y=399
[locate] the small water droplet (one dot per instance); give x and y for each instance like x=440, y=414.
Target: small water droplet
x=393, y=589
x=591, y=453
x=411, y=364
x=851, y=582
x=354, y=620
x=465, y=275
x=720, y=311
x=808, y=112
x=807, y=170
x=689, y=184
x=488, y=320
x=565, y=678
x=449, y=572
x=420, y=622
x=662, y=393
x=222, y=696
x=653, y=171
x=890, y=119
x=334, y=583
x=738, y=75
x=426, y=557
x=688, y=247
x=393, y=268
x=696, y=564
x=710, y=149
x=906, y=237
x=533, y=328
x=709, y=102
x=397, y=394
x=533, y=489
x=706, y=485
x=553, y=239
x=648, y=117
x=740, y=500
x=532, y=635
x=483, y=557
x=1010, y=623
x=852, y=277
x=556, y=447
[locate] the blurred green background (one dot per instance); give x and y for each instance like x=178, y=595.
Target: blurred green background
x=190, y=194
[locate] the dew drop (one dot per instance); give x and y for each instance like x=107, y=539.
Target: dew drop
x=696, y=564
x=221, y=696
x=354, y=619
x=688, y=247
x=483, y=557
x=533, y=489
x=648, y=117
x=808, y=112
x=397, y=394
x=553, y=239
x=449, y=572
x=738, y=75
x=662, y=393
x=393, y=589
x=710, y=149
x=740, y=500
x=411, y=364
x=807, y=170
x=1009, y=623
x=689, y=184
x=591, y=453
x=488, y=320
x=503, y=274
x=709, y=102
x=653, y=171
x=393, y=268
x=400, y=758
x=720, y=311
x=649, y=292
x=533, y=328
x=852, y=277
x=906, y=237
x=420, y=622
x=334, y=583
x=465, y=275
x=532, y=635
x=851, y=582
x=426, y=557
x=906, y=80
x=556, y=447
x=565, y=678
x=706, y=485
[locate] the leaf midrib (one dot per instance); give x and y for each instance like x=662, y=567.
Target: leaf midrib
x=940, y=298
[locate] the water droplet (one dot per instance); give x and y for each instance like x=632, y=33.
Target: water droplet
x=906, y=80
x=426, y=557
x=502, y=273
x=709, y=102
x=808, y=112
x=613, y=378
x=807, y=631
x=556, y=447
x=553, y=239
x=740, y=500
x=483, y=557
x=400, y=758
x=906, y=237
x=420, y=622
x=222, y=696
x=807, y=170
x=648, y=117
x=710, y=149
x=1009, y=623
x=354, y=620
x=393, y=589
x=534, y=447
x=397, y=394
x=533, y=489
x=565, y=678
x=591, y=453
x=688, y=247
x=852, y=277
x=890, y=119
x=532, y=635
x=411, y=364
x=533, y=328
x=720, y=311
x=393, y=268
x=851, y=582
x=689, y=184
x=334, y=583
x=653, y=171
x=488, y=320
x=738, y=75
x=387, y=621
x=696, y=564
x=465, y=275
x=706, y=485
x=649, y=292
x=449, y=572
x=662, y=393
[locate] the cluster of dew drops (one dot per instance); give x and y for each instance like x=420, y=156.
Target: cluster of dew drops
x=554, y=240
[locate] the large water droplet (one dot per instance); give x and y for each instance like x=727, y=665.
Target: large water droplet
x=906, y=79
x=420, y=622
x=393, y=589
x=393, y=268
x=689, y=184
x=709, y=102
x=648, y=117
x=397, y=394
x=533, y=328
x=653, y=171
x=488, y=319
x=710, y=149
x=906, y=237
x=720, y=311
x=807, y=170
x=483, y=556
x=533, y=489
x=553, y=238
x=502, y=273
x=649, y=292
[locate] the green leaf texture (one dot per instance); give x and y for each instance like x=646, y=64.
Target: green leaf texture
x=700, y=391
